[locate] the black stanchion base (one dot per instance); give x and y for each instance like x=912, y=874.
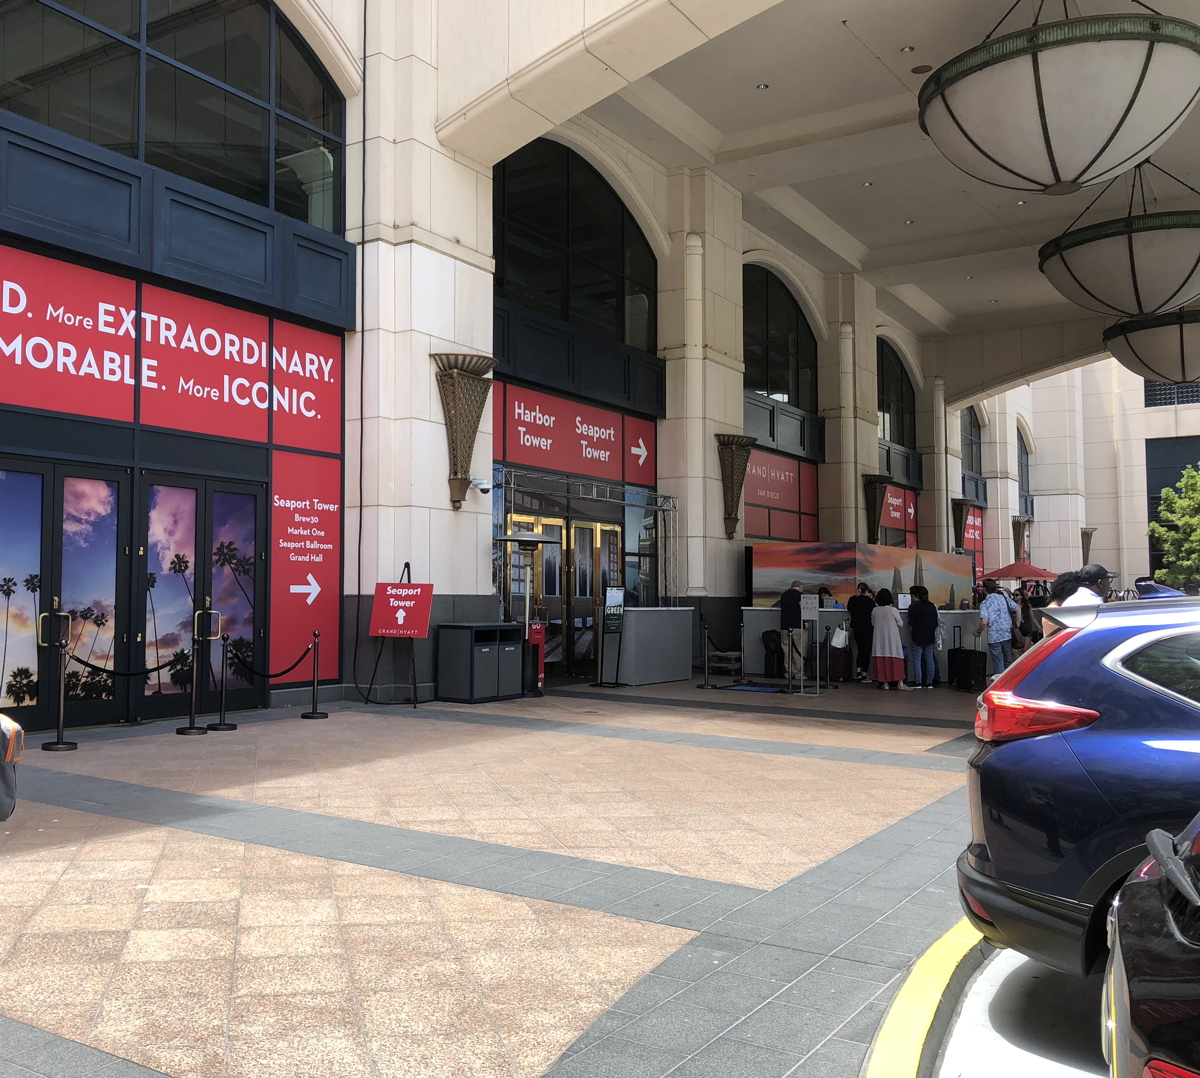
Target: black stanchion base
x=703, y=686
x=314, y=715
x=188, y=731
x=222, y=725
x=59, y=746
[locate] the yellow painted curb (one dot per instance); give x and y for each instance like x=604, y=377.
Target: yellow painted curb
x=897, y=1050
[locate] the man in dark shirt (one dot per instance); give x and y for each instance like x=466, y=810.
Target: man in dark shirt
x=859, y=608
x=790, y=617
x=922, y=627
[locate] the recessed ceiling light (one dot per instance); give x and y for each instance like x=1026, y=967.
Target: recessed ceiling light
x=969, y=277
x=922, y=69
x=763, y=86
x=907, y=48
x=868, y=183
x=1021, y=202
x=993, y=301
x=908, y=222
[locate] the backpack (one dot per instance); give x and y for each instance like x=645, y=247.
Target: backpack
x=12, y=744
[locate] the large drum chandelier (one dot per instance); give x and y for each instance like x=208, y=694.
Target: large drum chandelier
x=1063, y=105
x=1138, y=264
x=1161, y=348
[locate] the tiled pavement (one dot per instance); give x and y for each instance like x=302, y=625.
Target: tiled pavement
x=791, y=980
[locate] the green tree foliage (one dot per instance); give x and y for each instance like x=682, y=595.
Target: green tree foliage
x=1177, y=531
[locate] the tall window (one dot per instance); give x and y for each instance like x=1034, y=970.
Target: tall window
x=972, y=441
x=780, y=348
x=1023, y=476
x=897, y=401
x=223, y=92
x=567, y=247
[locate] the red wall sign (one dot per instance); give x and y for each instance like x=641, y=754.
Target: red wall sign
x=773, y=481
x=210, y=366
x=401, y=610
x=67, y=337
x=552, y=433
x=306, y=557
x=892, y=514
x=307, y=392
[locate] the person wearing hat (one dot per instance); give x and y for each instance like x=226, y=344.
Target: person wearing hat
x=1095, y=587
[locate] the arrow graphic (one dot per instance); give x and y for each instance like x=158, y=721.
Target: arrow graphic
x=640, y=451
x=400, y=616
x=911, y=510
x=312, y=587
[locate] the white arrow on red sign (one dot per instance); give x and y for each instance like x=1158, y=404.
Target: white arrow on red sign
x=312, y=587
x=640, y=451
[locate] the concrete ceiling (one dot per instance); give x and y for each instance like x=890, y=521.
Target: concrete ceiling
x=832, y=163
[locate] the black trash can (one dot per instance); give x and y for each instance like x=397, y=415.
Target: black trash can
x=478, y=663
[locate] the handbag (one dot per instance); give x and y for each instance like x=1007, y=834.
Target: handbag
x=840, y=638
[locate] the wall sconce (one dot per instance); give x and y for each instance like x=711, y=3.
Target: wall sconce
x=464, y=392
x=733, y=450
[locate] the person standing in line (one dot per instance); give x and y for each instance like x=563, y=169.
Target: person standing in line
x=887, y=649
x=859, y=607
x=791, y=625
x=996, y=616
x=922, y=628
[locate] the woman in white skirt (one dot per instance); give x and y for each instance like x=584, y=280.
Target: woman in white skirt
x=887, y=650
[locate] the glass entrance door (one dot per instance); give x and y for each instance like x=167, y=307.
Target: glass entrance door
x=567, y=585
x=200, y=572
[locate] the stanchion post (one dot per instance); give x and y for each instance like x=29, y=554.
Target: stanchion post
x=316, y=712
x=191, y=729
x=222, y=724
x=58, y=744
x=704, y=644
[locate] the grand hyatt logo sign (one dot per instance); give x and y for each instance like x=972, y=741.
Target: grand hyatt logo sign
x=79, y=341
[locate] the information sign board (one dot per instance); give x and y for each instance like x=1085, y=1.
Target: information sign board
x=402, y=610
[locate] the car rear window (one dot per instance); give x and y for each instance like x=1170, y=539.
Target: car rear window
x=1173, y=663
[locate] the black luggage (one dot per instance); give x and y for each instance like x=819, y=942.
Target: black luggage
x=841, y=660
x=966, y=668
x=773, y=657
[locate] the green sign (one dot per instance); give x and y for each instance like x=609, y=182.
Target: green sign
x=614, y=610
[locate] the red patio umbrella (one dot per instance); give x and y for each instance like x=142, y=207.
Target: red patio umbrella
x=1022, y=570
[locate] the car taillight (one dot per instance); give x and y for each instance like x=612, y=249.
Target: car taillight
x=1005, y=716
x=976, y=906
x=1147, y=870
x=1156, y=1068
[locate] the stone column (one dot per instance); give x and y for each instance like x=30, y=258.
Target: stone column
x=425, y=271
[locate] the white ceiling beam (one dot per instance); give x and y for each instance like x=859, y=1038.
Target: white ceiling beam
x=925, y=305
x=657, y=103
x=822, y=127
x=827, y=232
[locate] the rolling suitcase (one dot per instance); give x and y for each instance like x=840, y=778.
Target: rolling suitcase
x=956, y=658
x=773, y=654
x=970, y=666
x=841, y=661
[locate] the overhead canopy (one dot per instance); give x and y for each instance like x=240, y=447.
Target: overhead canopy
x=1022, y=570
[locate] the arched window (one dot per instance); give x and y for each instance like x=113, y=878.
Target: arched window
x=230, y=96
x=780, y=348
x=972, y=441
x=897, y=401
x=567, y=247
x=1023, y=476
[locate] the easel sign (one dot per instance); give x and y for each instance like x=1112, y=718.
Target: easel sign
x=613, y=624
x=402, y=610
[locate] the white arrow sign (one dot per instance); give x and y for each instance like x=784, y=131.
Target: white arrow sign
x=312, y=587
x=911, y=510
x=400, y=616
x=640, y=451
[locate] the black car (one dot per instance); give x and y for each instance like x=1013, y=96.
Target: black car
x=1087, y=742
x=1152, y=988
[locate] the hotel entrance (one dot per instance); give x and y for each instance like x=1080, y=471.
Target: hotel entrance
x=567, y=585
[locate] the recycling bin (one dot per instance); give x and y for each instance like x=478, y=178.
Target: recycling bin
x=478, y=663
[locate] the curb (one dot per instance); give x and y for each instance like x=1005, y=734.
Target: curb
x=910, y=1038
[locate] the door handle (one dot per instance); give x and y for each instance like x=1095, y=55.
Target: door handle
x=196, y=624
x=41, y=640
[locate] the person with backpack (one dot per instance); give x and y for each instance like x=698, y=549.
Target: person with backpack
x=996, y=615
x=859, y=607
x=922, y=628
x=12, y=743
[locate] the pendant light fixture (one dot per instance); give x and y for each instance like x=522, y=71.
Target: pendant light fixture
x=1161, y=347
x=1060, y=106
x=1139, y=264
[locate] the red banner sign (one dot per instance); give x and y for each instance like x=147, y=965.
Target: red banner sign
x=973, y=533
x=773, y=481
x=892, y=514
x=544, y=431
x=306, y=555
x=401, y=610
x=210, y=363
x=307, y=392
x=67, y=337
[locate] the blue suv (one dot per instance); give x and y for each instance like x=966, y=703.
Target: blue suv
x=1087, y=742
